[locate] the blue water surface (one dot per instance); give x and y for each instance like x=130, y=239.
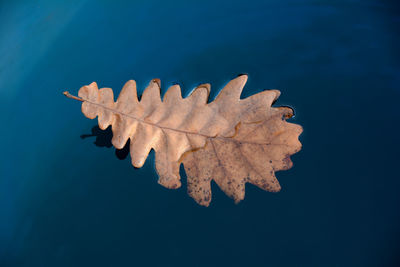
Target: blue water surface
x=68, y=201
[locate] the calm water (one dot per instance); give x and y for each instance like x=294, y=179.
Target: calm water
x=68, y=201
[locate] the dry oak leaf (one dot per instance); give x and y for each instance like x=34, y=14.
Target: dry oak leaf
x=230, y=140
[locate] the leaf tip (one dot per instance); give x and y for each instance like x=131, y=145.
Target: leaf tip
x=277, y=95
x=204, y=204
x=169, y=182
x=157, y=81
x=130, y=83
x=237, y=200
x=276, y=189
x=243, y=77
x=94, y=84
x=207, y=86
x=137, y=162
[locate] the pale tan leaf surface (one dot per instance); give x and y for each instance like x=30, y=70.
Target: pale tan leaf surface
x=171, y=127
x=230, y=140
x=261, y=146
x=253, y=155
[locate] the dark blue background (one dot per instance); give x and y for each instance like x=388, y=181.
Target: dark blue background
x=66, y=202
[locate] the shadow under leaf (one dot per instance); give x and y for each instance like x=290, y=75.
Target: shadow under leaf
x=103, y=139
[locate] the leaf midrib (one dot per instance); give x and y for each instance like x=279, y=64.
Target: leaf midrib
x=173, y=129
